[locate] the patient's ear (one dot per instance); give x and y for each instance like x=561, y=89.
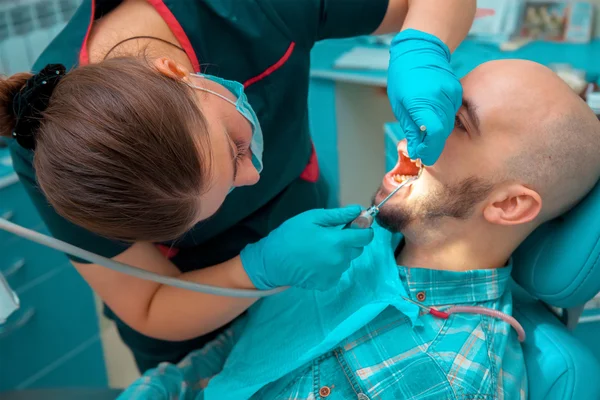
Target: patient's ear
x=512, y=205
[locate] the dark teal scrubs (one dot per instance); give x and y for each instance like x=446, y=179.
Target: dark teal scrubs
x=266, y=45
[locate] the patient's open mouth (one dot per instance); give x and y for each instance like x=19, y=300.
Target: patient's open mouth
x=404, y=169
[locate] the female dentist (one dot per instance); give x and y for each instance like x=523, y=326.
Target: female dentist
x=134, y=154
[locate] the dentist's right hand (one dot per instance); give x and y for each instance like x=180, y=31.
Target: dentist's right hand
x=309, y=251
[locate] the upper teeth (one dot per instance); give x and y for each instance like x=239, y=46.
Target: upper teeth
x=417, y=162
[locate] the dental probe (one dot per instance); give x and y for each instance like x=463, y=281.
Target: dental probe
x=366, y=218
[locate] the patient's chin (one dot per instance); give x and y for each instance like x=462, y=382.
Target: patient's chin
x=393, y=219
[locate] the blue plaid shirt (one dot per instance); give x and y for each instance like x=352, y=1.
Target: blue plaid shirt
x=468, y=356
x=464, y=357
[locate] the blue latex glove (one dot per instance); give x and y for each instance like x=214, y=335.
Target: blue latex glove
x=309, y=251
x=423, y=91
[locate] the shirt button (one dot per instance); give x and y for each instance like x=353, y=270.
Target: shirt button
x=324, y=391
x=421, y=296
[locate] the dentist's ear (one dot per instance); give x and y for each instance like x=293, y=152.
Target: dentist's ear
x=513, y=205
x=170, y=68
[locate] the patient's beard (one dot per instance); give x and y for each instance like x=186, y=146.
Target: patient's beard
x=452, y=201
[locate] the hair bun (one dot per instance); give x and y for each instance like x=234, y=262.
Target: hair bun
x=31, y=101
x=9, y=88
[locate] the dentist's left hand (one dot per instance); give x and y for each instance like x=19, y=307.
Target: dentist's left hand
x=309, y=251
x=423, y=91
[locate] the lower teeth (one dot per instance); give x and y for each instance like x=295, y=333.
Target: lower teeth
x=401, y=178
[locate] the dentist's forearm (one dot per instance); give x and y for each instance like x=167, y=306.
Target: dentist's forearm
x=165, y=312
x=177, y=314
x=449, y=20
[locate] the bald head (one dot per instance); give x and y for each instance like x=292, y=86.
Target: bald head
x=552, y=138
x=524, y=149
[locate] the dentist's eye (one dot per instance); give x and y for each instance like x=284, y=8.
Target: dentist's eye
x=242, y=151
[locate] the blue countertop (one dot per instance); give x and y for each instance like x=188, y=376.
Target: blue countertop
x=466, y=57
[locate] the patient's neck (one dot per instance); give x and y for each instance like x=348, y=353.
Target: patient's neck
x=468, y=250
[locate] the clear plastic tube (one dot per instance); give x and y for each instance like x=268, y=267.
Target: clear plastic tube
x=128, y=269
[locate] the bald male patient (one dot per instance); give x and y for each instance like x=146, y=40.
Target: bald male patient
x=524, y=150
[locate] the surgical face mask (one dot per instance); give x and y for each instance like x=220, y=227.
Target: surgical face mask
x=244, y=108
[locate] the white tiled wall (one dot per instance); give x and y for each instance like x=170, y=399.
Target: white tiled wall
x=26, y=28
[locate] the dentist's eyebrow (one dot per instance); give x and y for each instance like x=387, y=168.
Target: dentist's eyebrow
x=472, y=113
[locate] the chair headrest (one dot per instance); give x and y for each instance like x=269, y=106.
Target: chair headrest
x=559, y=263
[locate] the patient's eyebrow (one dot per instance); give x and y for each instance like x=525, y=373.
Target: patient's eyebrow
x=472, y=112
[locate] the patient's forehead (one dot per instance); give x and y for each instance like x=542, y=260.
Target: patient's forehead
x=513, y=95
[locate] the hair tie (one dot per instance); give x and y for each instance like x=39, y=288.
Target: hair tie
x=32, y=100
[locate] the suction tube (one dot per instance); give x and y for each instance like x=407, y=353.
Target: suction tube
x=128, y=269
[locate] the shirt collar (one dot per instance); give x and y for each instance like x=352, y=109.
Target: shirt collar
x=438, y=287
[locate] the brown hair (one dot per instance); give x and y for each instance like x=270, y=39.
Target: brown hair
x=122, y=150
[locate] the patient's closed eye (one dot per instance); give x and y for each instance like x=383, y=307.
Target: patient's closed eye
x=458, y=123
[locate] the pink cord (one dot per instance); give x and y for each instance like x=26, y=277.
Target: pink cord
x=489, y=312
x=445, y=314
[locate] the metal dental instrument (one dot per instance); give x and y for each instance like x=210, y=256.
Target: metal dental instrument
x=367, y=217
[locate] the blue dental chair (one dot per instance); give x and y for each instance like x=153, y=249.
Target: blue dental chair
x=559, y=266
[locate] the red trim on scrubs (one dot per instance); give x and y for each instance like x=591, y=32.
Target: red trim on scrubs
x=311, y=172
x=167, y=16
x=273, y=67
x=84, y=57
x=168, y=252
